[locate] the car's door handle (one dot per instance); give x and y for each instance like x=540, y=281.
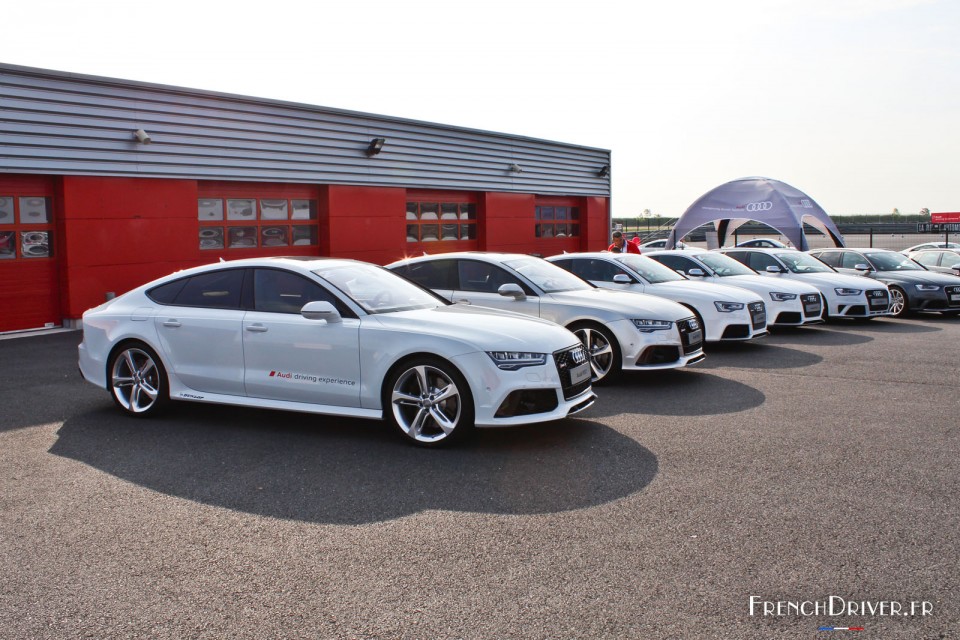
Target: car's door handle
x=462, y=300
x=171, y=323
x=256, y=328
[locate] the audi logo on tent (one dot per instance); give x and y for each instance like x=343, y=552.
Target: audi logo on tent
x=760, y=206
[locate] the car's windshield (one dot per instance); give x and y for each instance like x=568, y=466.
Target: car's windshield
x=890, y=261
x=799, y=262
x=377, y=290
x=725, y=265
x=649, y=269
x=547, y=276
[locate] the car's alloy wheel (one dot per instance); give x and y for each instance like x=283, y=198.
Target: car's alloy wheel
x=430, y=402
x=603, y=351
x=898, y=302
x=138, y=382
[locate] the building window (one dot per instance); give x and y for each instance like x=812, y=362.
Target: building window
x=557, y=222
x=433, y=221
x=26, y=231
x=250, y=223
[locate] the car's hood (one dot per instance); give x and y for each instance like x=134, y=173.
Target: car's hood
x=763, y=283
x=837, y=280
x=918, y=277
x=711, y=290
x=626, y=303
x=488, y=328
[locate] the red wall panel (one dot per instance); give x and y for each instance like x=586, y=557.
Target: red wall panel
x=366, y=223
x=122, y=232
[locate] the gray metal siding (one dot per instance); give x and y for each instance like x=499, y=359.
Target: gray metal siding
x=59, y=123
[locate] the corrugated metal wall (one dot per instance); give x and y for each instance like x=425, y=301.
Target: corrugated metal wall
x=67, y=124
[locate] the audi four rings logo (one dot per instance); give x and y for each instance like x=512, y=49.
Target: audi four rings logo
x=760, y=206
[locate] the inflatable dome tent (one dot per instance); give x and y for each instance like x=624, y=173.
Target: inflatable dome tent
x=771, y=202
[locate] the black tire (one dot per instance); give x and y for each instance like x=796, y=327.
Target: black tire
x=602, y=348
x=898, y=302
x=428, y=402
x=137, y=380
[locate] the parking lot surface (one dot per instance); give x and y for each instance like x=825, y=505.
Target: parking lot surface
x=817, y=467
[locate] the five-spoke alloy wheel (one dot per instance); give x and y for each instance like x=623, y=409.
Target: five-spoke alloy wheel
x=138, y=382
x=429, y=401
x=603, y=350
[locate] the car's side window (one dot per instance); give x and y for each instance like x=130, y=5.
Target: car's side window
x=760, y=261
x=484, y=277
x=677, y=263
x=432, y=274
x=928, y=258
x=739, y=256
x=850, y=260
x=591, y=269
x=280, y=291
x=167, y=293
x=831, y=258
x=213, y=290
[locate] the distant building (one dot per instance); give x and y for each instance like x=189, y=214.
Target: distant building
x=106, y=184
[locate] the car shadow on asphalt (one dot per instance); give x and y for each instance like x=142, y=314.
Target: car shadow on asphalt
x=673, y=393
x=349, y=471
x=758, y=354
x=913, y=323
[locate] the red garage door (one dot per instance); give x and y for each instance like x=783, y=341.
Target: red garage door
x=29, y=278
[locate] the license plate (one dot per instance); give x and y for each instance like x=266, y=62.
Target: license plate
x=695, y=336
x=954, y=297
x=812, y=308
x=580, y=373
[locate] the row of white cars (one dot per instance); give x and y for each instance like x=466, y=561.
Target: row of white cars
x=346, y=338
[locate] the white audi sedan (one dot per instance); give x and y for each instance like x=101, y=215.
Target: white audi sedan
x=844, y=296
x=789, y=303
x=336, y=337
x=621, y=331
x=725, y=313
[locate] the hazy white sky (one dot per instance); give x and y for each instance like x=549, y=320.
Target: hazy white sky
x=855, y=102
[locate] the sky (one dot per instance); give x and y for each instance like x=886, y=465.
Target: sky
x=855, y=102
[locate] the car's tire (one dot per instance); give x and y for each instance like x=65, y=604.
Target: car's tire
x=898, y=302
x=602, y=348
x=138, y=382
x=428, y=401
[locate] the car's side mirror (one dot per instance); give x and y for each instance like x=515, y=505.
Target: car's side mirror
x=321, y=310
x=512, y=290
x=956, y=269
x=621, y=278
x=862, y=267
x=696, y=271
x=773, y=269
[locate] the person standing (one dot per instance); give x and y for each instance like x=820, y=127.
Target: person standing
x=620, y=245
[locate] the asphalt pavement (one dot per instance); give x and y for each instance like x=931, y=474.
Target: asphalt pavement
x=780, y=489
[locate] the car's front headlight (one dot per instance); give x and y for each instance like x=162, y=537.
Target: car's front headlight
x=843, y=291
x=928, y=287
x=728, y=307
x=513, y=360
x=649, y=326
x=782, y=297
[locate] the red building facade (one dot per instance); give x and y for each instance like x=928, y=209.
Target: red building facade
x=80, y=222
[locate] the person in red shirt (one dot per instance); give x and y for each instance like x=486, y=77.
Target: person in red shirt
x=620, y=244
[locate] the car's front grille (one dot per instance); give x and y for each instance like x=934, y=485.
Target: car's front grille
x=811, y=304
x=567, y=359
x=758, y=314
x=953, y=295
x=691, y=335
x=878, y=299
